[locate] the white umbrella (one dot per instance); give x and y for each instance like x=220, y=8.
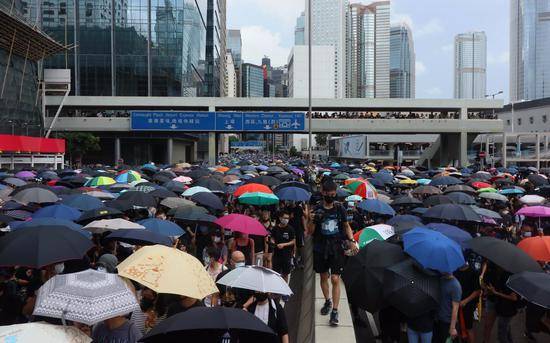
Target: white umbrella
x=100, y=226
x=532, y=199
x=493, y=196
x=101, y=195
x=42, y=332
x=256, y=278
x=86, y=297
x=194, y=190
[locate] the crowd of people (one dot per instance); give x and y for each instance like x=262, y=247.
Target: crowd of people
x=246, y=223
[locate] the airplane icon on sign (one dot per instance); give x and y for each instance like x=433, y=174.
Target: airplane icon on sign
x=229, y=127
x=267, y=127
x=173, y=126
x=295, y=125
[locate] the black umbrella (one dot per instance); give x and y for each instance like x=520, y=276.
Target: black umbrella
x=198, y=173
x=208, y=199
x=445, y=181
x=292, y=184
x=36, y=247
x=426, y=190
x=162, y=193
x=364, y=273
x=99, y=213
x=139, y=237
x=460, y=188
x=211, y=183
x=267, y=180
x=35, y=195
x=406, y=200
x=410, y=290
x=188, y=212
x=30, y=185
x=535, y=287
x=6, y=219
x=437, y=200
x=121, y=205
x=543, y=191
x=162, y=178
x=275, y=170
x=452, y=212
x=506, y=255
x=462, y=198
x=211, y=324
x=82, y=202
x=537, y=180
x=176, y=186
x=139, y=198
x=403, y=226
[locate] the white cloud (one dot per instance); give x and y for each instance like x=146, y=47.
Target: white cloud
x=502, y=58
x=433, y=26
x=259, y=41
x=420, y=68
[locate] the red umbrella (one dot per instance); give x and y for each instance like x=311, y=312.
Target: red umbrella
x=366, y=191
x=536, y=247
x=480, y=185
x=241, y=223
x=252, y=188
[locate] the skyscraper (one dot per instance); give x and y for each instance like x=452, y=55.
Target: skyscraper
x=402, y=62
x=299, y=30
x=234, y=46
x=529, y=49
x=368, y=50
x=230, y=76
x=328, y=29
x=214, y=79
x=470, y=81
x=252, y=80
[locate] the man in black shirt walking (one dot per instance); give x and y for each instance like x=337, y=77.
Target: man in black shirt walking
x=283, y=239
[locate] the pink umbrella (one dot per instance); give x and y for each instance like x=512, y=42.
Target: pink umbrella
x=535, y=211
x=241, y=223
x=25, y=175
x=184, y=179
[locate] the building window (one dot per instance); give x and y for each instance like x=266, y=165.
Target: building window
x=531, y=120
x=519, y=121
x=507, y=122
x=89, y=8
x=544, y=118
x=62, y=8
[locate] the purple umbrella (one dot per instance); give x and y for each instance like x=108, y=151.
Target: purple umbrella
x=297, y=171
x=25, y=175
x=534, y=211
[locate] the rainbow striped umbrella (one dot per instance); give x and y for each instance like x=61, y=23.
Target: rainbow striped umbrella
x=129, y=176
x=100, y=181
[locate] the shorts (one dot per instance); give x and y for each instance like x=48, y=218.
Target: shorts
x=282, y=265
x=333, y=263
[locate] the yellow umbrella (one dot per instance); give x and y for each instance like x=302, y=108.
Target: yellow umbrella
x=408, y=182
x=168, y=270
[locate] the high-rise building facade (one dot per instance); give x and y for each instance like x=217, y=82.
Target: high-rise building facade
x=214, y=80
x=328, y=28
x=402, y=62
x=529, y=49
x=470, y=63
x=299, y=30
x=323, y=82
x=230, y=76
x=368, y=50
x=252, y=80
x=127, y=47
x=234, y=46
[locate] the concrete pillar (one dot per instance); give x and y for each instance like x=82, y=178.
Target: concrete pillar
x=212, y=148
x=117, y=150
x=463, y=149
x=545, y=145
x=504, y=143
x=169, y=150
x=194, y=154
x=537, y=149
x=463, y=113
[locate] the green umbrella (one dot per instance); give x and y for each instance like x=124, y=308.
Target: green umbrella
x=100, y=181
x=353, y=186
x=379, y=232
x=487, y=190
x=258, y=199
x=341, y=177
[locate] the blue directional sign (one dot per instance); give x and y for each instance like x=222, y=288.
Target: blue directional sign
x=218, y=121
x=247, y=144
x=173, y=121
x=273, y=121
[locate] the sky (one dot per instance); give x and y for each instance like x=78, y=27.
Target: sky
x=267, y=28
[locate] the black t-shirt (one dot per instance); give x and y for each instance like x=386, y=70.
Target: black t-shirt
x=283, y=235
x=422, y=323
x=296, y=219
x=329, y=223
x=176, y=308
x=504, y=307
x=469, y=280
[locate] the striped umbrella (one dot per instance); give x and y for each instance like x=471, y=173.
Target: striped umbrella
x=128, y=176
x=259, y=199
x=100, y=181
x=366, y=191
x=379, y=232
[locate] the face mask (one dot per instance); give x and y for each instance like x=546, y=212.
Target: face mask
x=350, y=218
x=239, y=264
x=261, y=297
x=527, y=234
x=351, y=204
x=207, y=260
x=284, y=222
x=217, y=239
x=59, y=268
x=329, y=199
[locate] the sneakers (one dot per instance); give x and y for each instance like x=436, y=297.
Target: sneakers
x=333, y=318
x=326, y=307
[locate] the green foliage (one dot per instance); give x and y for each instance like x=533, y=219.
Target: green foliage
x=293, y=151
x=321, y=139
x=79, y=144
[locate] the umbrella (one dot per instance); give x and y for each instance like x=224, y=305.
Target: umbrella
x=162, y=193
x=42, y=332
x=534, y=211
x=376, y=206
x=267, y=180
x=452, y=212
x=139, y=199
x=536, y=247
x=175, y=187
x=257, y=279
x=104, y=225
x=486, y=213
x=194, y=190
x=99, y=213
x=100, y=181
x=437, y=200
x=462, y=198
x=15, y=182
x=25, y=175
x=45, y=221
x=366, y=190
x=379, y=232
x=183, y=179
x=535, y=287
x=189, y=213
x=35, y=195
x=82, y=202
x=174, y=202
x=480, y=185
x=353, y=197
x=511, y=191
x=445, y=181
x=211, y=183
x=208, y=200
x=460, y=188
x=406, y=200
x=536, y=179
x=433, y=250
x=364, y=273
x=37, y=247
x=241, y=223
x=423, y=181
x=252, y=188
x=87, y=297
x=104, y=195
x=456, y=234
x=58, y=211
x=293, y=194
x=403, y=218
x=532, y=199
x=163, y=227
x=426, y=190
x=494, y=196
x=212, y=324
x=259, y=199
x=198, y=173
x=274, y=170
x=409, y=290
x=139, y=237
x=128, y=176
x=506, y=255
x=143, y=188
x=161, y=268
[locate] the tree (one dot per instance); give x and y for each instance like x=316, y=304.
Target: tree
x=321, y=139
x=293, y=151
x=79, y=144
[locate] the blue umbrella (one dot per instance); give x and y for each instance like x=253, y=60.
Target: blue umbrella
x=139, y=237
x=335, y=165
x=293, y=194
x=82, y=202
x=433, y=250
x=163, y=227
x=385, y=177
x=511, y=191
x=376, y=206
x=419, y=210
x=453, y=232
x=149, y=166
x=60, y=211
x=262, y=167
x=49, y=221
x=445, y=181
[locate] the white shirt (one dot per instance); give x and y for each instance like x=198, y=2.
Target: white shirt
x=262, y=312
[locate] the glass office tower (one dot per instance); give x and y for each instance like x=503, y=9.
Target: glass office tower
x=402, y=62
x=127, y=47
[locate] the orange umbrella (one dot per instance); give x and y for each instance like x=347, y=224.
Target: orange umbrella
x=252, y=188
x=366, y=191
x=222, y=169
x=537, y=247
